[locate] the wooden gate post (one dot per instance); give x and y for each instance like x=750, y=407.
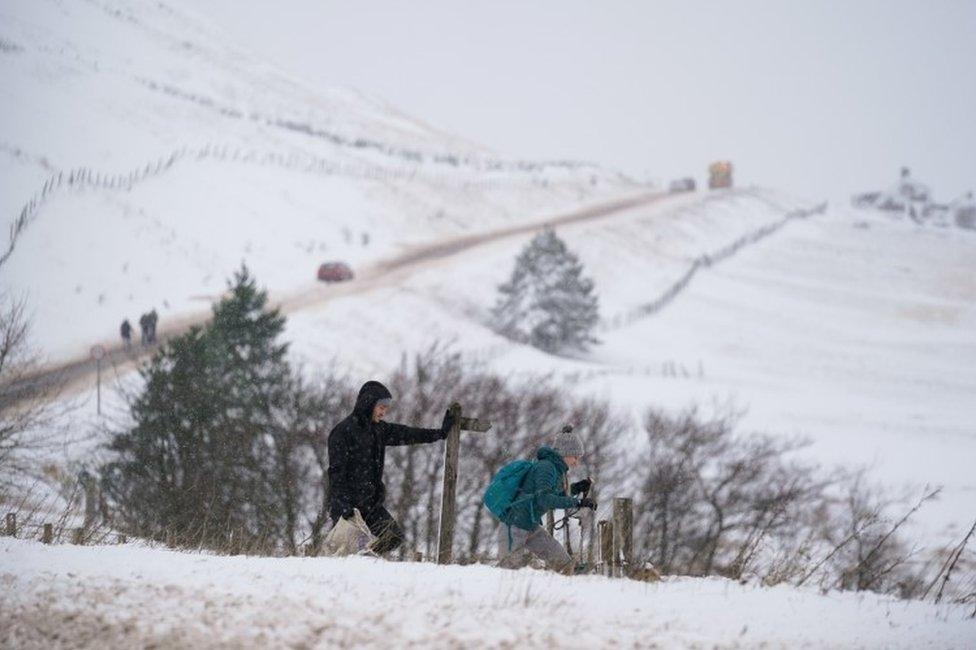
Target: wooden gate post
x=606, y=546
x=445, y=533
x=48, y=535
x=12, y=524
x=623, y=533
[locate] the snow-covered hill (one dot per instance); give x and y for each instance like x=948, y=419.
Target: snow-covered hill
x=128, y=596
x=147, y=156
x=150, y=157
x=857, y=333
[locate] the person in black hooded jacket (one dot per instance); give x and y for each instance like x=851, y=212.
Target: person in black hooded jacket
x=357, y=449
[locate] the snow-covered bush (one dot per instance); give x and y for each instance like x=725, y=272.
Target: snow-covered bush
x=547, y=302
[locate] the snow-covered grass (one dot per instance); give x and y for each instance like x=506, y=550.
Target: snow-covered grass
x=133, y=596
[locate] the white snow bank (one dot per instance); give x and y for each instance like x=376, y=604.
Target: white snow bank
x=111, y=596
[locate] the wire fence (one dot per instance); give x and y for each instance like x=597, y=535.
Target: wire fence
x=88, y=178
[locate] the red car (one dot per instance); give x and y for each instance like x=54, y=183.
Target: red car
x=335, y=272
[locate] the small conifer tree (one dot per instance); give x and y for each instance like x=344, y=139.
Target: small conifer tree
x=547, y=302
x=194, y=465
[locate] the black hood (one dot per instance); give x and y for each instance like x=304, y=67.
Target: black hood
x=369, y=394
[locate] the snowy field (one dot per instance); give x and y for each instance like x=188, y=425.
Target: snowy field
x=848, y=328
x=129, y=596
x=810, y=331
x=152, y=156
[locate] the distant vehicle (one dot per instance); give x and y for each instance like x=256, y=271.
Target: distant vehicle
x=678, y=185
x=719, y=174
x=335, y=272
x=964, y=210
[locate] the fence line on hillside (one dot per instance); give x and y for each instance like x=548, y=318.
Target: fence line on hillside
x=87, y=178
x=708, y=260
x=305, y=127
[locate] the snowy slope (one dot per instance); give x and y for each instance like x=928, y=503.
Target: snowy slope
x=151, y=156
x=860, y=336
x=810, y=330
x=130, y=596
x=856, y=332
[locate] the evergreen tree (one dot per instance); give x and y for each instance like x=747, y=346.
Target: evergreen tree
x=199, y=463
x=547, y=302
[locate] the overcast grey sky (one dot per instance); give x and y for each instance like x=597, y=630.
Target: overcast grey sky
x=819, y=98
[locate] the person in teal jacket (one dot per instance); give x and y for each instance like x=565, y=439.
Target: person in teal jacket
x=541, y=491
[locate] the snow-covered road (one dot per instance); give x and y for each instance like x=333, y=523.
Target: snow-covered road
x=131, y=596
x=78, y=372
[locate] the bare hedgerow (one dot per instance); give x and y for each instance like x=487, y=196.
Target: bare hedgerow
x=713, y=502
x=709, y=499
x=868, y=551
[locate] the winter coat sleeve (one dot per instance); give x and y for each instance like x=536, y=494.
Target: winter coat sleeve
x=399, y=434
x=548, y=494
x=340, y=470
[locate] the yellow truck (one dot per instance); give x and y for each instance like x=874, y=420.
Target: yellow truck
x=719, y=174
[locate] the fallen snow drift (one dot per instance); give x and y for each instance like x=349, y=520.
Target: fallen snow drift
x=130, y=596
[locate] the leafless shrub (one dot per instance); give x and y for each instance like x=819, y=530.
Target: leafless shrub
x=710, y=499
x=945, y=572
x=878, y=558
x=28, y=407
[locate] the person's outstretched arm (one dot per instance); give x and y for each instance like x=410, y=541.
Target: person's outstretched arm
x=548, y=494
x=400, y=434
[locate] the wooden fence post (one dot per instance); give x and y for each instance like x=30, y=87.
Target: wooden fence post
x=12, y=524
x=445, y=533
x=48, y=535
x=452, y=445
x=606, y=546
x=623, y=533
